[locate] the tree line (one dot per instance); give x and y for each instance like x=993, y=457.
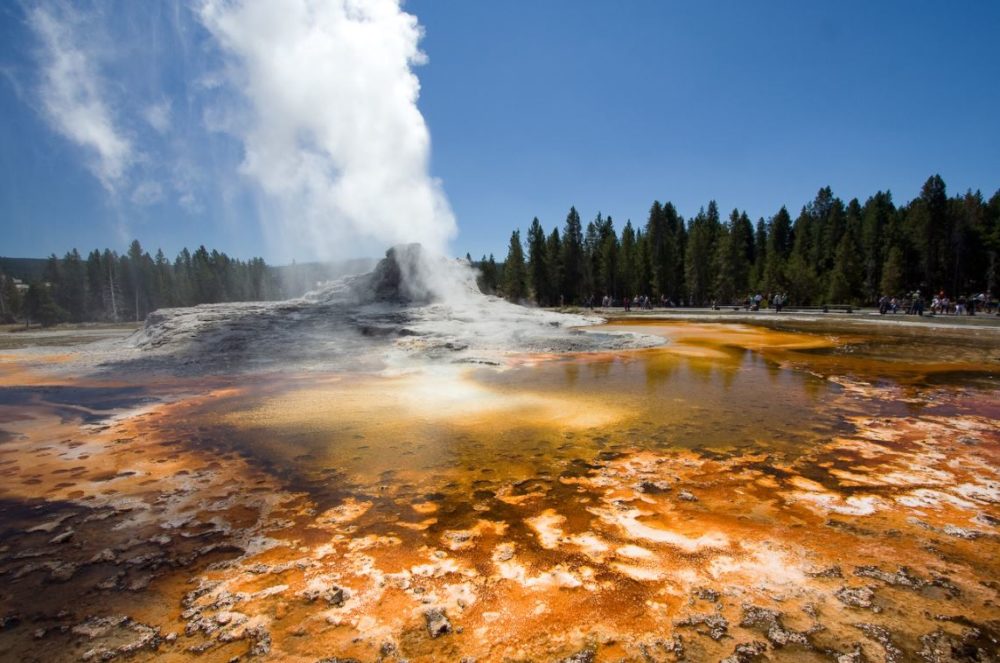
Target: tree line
x=110, y=287
x=831, y=253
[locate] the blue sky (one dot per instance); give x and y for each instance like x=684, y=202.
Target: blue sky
x=531, y=107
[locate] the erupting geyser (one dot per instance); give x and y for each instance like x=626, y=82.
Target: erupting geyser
x=329, y=123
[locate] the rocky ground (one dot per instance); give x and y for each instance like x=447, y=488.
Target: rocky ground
x=125, y=541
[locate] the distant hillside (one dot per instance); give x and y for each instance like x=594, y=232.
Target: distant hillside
x=26, y=269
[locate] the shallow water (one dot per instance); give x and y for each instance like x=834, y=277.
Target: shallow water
x=640, y=505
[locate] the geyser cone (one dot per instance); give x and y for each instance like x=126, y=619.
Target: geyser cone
x=410, y=274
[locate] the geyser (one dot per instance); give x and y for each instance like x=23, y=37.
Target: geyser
x=412, y=306
x=409, y=274
x=330, y=127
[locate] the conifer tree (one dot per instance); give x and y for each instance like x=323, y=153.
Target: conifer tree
x=875, y=218
x=760, y=257
x=572, y=258
x=538, y=263
x=607, y=259
x=732, y=268
x=10, y=299
x=515, y=276
x=629, y=262
x=779, y=248
x=40, y=307
x=699, y=261
x=553, y=249
x=892, y=273
x=845, y=279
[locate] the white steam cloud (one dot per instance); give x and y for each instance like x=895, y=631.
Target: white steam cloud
x=332, y=132
x=72, y=99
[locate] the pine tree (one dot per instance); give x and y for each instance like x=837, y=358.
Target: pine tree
x=659, y=262
x=607, y=259
x=665, y=249
x=803, y=282
x=845, y=279
x=553, y=250
x=629, y=262
x=892, y=273
x=10, y=299
x=183, y=286
x=802, y=287
x=480, y=267
x=732, y=267
x=164, y=281
x=699, y=261
x=72, y=292
x=991, y=243
x=966, y=265
x=137, y=282
x=928, y=217
x=779, y=248
x=96, y=283
x=757, y=281
x=572, y=258
x=40, y=307
x=591, y=251
x=875, y=218
x=538, y=264
x=515, y=276
x=644, y=265
x=113, y=289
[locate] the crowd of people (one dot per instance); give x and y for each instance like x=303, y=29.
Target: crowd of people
x=910, y=304
x=914, y=304
x=752, y=302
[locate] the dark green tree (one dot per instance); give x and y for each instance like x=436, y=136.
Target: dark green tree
x=10, y=299
x=572, y=258
x=607, y=267
x=629, y=263
x=779, y=249
x=732, y=266
x=700, y=259
x=845, y=281
x=538, y=264
x=757, y=281
x=71, y=293
x=553, y=250
x=644, y=264
x=892, y=283
x=515, y=275
x=930, y=228
x=40, y=307
x=875, y=218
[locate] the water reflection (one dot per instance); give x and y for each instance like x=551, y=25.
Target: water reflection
x=712, y=388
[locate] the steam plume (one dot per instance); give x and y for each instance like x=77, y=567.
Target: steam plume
x=331, y=130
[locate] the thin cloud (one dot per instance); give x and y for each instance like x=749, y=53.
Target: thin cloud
x=72, y=97
x=147, y=193
x=158, y=115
